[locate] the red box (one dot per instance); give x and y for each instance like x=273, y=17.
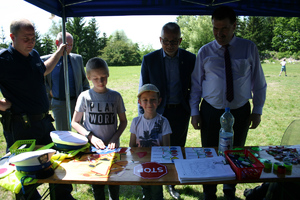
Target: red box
x=245, y=173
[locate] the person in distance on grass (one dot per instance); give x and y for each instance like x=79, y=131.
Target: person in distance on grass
x=150, y=129
x=283, y=67
x=209, y=86
x=55, y=84
x=102, y=107
x=170, y=69
x=22, y=85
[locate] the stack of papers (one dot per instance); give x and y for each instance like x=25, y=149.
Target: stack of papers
x=202, y=170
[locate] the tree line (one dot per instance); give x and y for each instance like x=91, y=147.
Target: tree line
x=117, y=49
x=275, y=37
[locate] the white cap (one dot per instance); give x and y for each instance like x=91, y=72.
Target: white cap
x=148, y=88
x=68, y=139
x=33, y=160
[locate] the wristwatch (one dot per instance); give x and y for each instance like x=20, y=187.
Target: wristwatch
x=88, y=135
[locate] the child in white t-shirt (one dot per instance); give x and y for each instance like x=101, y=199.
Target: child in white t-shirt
x=283, y=67
x=150, y=129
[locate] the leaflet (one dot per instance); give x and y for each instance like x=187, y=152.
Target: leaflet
x=163, y=154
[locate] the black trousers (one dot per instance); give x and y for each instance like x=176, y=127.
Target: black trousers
x=152, y=192
x=179, y=121
x=99, y=192
x=210, y=117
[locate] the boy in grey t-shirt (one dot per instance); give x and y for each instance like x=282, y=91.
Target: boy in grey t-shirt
x=101, y=108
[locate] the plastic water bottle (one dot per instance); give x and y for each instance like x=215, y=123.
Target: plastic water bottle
x=226, y=132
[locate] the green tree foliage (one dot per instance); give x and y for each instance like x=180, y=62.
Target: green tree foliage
x=43, y=44
x=103, y=42
x=256, y=29
x=287, y=34
x=145, y=49
x=240, y=30
x=92, y=40
x=3, y=43
x=120, y=51
x=38, y=43
x=86, y=37
x=55, y=28
x=119, y=35
x=196, y=31
x=268, y=33
x=47, y=45
x=75, y=26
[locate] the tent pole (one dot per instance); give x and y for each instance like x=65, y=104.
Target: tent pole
x=66, y=71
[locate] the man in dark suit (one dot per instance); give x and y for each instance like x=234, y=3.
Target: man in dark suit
x=170, y=69
x=77, y=82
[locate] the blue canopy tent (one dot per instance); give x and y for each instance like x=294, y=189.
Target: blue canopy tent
x=86, y=8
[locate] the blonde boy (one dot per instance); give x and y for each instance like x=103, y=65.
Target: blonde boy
x=101, y=108
x=150, y=129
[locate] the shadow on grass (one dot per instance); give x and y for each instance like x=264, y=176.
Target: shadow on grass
x=131, y=192
x=193, y=192
x=189, y=192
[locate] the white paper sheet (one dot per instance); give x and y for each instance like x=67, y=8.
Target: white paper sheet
x=201, y=170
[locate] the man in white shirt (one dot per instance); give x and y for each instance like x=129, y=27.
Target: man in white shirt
x=209, y=85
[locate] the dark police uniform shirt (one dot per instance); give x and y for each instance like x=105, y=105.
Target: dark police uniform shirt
x=22, y=82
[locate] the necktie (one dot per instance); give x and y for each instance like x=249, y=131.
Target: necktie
x=229, y=80
x=61, y=83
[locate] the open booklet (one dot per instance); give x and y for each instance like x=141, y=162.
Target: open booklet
x=201, y=170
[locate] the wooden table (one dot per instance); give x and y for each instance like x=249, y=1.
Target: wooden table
x=79, y=173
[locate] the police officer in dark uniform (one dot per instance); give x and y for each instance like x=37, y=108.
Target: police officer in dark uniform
x=26, y=103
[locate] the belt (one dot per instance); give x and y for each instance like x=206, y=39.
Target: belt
x=31, y=117
x=71, y=98
x=172, y=106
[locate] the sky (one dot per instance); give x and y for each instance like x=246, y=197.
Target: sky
x=144, y=30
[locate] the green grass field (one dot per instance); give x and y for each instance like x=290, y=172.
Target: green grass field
x=282, y=107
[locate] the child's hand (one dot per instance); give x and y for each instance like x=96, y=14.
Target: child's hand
x=111, y=146
x=97, y=142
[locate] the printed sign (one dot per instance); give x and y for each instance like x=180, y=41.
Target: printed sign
x=150, y=170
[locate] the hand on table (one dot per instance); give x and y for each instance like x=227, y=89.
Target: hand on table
x=111, y=146
x=97, y=142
